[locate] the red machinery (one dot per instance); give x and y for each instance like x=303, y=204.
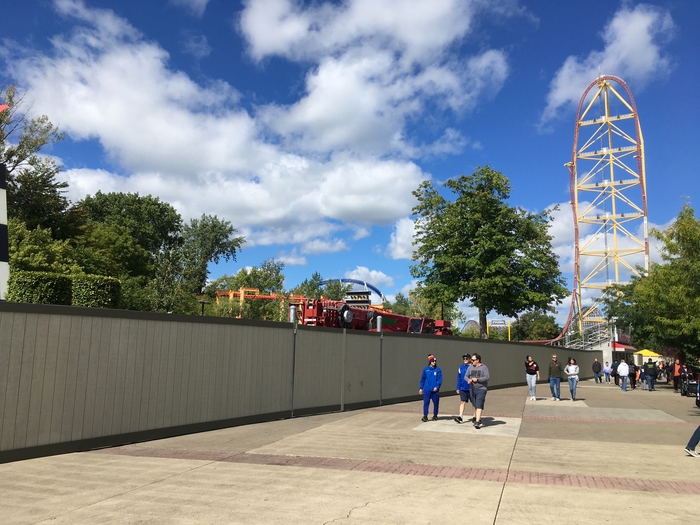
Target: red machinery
x=338, y=314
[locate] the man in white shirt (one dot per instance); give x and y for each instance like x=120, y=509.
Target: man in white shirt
x=623, y=370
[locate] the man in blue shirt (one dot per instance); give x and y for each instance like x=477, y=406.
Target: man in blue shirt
x=430, y=383
x=462, y=387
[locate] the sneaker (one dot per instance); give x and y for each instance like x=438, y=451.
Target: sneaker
x=435, y=418
x=554, y=399
x=473, y=419
x=458, y=419
x=424, y=419
x=479, y=424
x=557, y=399
x=533, y=398
x=692, y=452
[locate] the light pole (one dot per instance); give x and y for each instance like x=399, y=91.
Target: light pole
x=4, y=237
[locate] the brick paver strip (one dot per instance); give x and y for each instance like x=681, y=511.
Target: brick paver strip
x=418, y=469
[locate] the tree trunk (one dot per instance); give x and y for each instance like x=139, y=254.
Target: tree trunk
x=482, y=324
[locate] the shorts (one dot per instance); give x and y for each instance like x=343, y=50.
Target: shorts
x=464, y=396
x=478, y=396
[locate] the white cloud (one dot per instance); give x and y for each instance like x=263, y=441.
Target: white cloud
x=374, y=277
x=196, y=45
x=315, y=173
x=401, y=243
x=633, y=39
x=196, y=7
x=292, y=259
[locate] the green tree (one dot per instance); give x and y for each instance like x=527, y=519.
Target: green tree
x=267, y=279
x=663, y=307
x=206, y=240
x=478, y=248
x=310, y=288
x=401, y=305
x=31, y=134
x=154, y=224
x=36, y=250
x=109, y=249
x=335, y=290
x=535, y=325
x=33, y=194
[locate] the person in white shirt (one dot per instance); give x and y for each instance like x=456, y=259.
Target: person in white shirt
x=623, y=370
x=571, y=370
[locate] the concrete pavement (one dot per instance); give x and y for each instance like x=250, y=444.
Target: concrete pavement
x=610, y=457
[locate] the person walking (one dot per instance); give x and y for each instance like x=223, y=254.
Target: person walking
x=614, y=372
x=694, y=440
x=623, y=371
x=478, y=378
x=571, y=370
x=556, y=372
x=641, y=376
x=632, y=375
x=430, y=383
x=676, y=375
x=607, y=371
x=650, y=374
x=532, y=375
x=463, y=387
x=597, y=369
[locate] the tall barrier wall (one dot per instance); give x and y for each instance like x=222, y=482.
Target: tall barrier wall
x=78, y=378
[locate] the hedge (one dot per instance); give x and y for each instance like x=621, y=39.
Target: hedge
x=39, y=287
x=77, y=290
x=96, y=291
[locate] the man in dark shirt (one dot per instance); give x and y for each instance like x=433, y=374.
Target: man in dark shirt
x=556, y=372
x=597, y=368
x=478, y=378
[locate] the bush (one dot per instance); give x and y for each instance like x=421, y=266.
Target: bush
x=96, y=291
x=39, y=288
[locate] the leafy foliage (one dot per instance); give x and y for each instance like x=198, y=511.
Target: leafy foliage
x=536, y=325
x=479, y=248
x=663, y=307
x=39, y=288
x=95, y=291
x=154, y=224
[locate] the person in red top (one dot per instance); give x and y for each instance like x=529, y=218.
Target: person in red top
x=676, y=375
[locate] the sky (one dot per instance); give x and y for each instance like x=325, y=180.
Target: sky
x=308, y=125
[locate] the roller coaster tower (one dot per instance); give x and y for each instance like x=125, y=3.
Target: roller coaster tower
x=609, y=200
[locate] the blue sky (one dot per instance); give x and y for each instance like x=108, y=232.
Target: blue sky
x=309, y=124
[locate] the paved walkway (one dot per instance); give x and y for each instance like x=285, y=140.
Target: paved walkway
x=611, y=457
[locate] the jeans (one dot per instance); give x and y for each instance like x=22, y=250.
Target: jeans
x=607, y=378
x=554, y=383
x=624, y=383
x=427, y=397
x=694, y=439
x=572, y=387
x=531, y=384
x=650, y=382
x=597, y=377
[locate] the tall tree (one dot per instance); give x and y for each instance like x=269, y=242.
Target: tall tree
x=206, y=240
x=34, y=196
x=478, y=248
x=663, y=307
x=153, y=223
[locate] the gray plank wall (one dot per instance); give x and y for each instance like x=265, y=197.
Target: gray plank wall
x=75, y=378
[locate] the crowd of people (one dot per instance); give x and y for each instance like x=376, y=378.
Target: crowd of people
x=473, y=376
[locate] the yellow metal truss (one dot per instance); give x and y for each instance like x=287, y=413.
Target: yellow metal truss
x=608, y=182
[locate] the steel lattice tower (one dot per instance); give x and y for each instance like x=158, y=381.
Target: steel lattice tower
x=608, y=195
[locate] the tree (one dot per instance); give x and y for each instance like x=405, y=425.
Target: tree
x=479, y=248
x=154, y=224
x=663, y=307
x=206, y=240
x=33, y=194
x=267, y=279
x=32, y=135
x=401, y=305
x=535, y=325
x=36, y=250
x=310, y=288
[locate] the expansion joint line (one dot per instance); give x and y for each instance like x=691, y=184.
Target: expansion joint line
x=510, y=463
